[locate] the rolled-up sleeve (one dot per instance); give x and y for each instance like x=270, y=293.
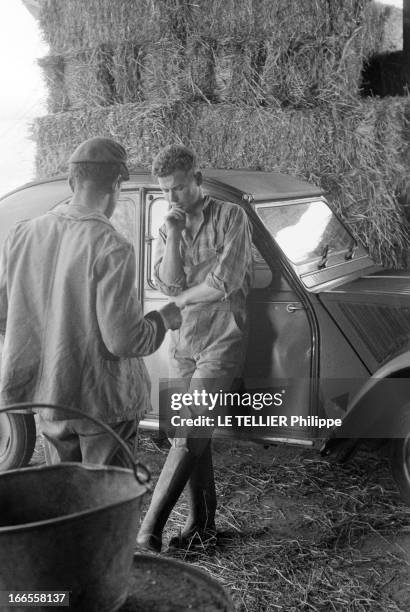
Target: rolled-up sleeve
x=124, y=329
x=235, y=258
x=179, y=284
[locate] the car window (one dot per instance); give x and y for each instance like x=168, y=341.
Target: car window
x=157, y=209
x=305, y=230
x=124, y=219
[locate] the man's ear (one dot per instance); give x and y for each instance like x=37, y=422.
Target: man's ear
x=198, y=178
x=71, y=183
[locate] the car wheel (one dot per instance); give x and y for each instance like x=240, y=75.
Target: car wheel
x=17, y=440
x=400, y=456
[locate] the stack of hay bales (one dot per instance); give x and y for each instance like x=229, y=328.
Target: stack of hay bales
x=270, y=84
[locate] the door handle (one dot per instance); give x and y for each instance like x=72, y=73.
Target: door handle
x=294, y=307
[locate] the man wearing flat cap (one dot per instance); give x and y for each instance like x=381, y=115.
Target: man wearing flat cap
x=74, y=332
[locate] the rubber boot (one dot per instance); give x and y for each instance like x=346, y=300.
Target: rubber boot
x=200, y=524
x=171, y=482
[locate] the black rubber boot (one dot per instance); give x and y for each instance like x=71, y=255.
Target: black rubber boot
x=171, y=482
x=199, y=528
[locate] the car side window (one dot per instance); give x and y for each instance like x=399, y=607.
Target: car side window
x=157, y=208
x=124, y=219
x=126, y=222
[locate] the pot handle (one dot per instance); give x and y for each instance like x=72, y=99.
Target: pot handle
x=141, y=472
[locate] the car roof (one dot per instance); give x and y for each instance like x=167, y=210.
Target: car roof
x=257, y=185
x=261, y=185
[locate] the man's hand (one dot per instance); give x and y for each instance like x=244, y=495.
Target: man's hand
x=180, y=300
x=171, y=315
x=175, y=219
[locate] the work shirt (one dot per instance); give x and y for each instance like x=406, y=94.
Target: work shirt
x=219, y=254
x=73, y=326
x=210, y=342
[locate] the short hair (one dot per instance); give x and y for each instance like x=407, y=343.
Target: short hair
x=172, y=158
x=101, y=174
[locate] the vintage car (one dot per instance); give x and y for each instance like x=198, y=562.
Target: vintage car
x=329, y=328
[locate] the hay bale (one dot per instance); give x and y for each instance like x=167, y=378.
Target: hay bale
x=223, y=19
x=139, y=127
x=238, y=67
x=98, y=76
x=88, y=77
x=201, y=68
x=70, y=25
x=315, y=53
x=310, y=71
x=356, y=152
x=53, y=71
x=73, y=24
x=262, y=19
x=57, y=135
x=126, y=71
x=164, y=76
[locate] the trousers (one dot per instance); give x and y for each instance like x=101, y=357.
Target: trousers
x=80, y=440
x=207, y=354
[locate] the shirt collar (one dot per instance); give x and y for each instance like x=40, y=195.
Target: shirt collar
x=206, y=204
x=76, y=211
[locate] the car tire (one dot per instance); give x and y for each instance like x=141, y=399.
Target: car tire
x=400, y=455
x=17, y=440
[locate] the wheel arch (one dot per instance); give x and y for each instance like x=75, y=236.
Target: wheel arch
x=370, y=411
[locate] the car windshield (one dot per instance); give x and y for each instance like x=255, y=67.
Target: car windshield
x=305, y=231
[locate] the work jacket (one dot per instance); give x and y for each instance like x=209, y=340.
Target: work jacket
x=74, y=332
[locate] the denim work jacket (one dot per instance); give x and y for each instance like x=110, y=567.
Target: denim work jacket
x=73, y=327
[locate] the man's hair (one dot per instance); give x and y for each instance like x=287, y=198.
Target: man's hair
x=101, y=174
x=172, y=158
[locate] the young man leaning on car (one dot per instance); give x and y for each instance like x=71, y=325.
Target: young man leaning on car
x=204, y=262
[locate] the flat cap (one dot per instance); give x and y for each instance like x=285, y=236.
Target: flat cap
x=101, y=151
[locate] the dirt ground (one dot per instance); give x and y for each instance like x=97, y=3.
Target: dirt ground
x=299, y=533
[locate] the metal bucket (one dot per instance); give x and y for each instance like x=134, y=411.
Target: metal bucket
x=70, y=527
x=166, y=585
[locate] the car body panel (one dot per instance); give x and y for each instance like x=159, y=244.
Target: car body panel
x=391, y=282
x=375, y=320
x=30, y=201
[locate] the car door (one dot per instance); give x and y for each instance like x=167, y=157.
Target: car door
x=280, y=352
